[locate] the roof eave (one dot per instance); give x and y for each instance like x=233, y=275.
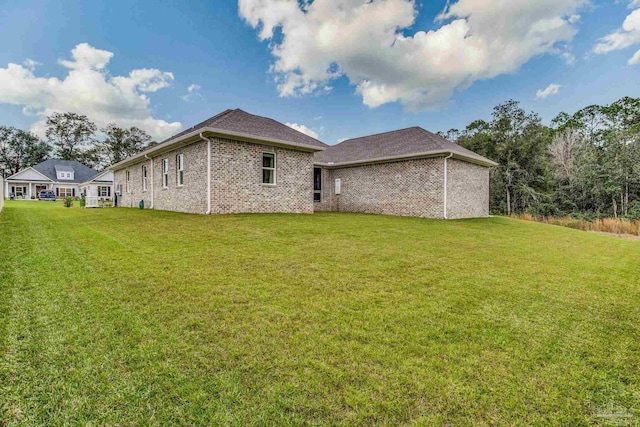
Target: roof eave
x=95, y=178
x=33, y=169
x=424, y=155
x=194, y=136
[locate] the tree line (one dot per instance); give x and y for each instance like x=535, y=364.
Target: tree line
x=69, y=136
x=586, y=164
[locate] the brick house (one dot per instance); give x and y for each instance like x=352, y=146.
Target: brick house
x=237, y=162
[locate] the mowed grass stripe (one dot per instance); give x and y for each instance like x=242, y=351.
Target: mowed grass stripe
x=130, y=317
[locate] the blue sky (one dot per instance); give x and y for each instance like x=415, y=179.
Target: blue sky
x=209, y=44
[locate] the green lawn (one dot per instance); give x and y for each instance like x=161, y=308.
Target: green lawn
x=129, y=317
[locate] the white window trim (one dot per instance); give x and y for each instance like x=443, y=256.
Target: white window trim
x=127, y=179
x=68, y=191
x=165, y=173
x=144, y=177
x=106, y=190
x=314, y=189
x=179, y=168
x=274, y=168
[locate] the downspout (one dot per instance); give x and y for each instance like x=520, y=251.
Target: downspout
x=208, y=173
x=152, y=175
x=445, y=184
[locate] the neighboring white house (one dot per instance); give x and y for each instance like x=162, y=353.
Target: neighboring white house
x=99, y=186
x=67, y=178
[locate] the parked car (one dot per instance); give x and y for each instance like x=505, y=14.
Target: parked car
x=47, y=195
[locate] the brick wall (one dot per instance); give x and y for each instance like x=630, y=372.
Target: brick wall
x=191, y=197
x=409, y=188
x=132, y=197
x=236, y=180
x=327, y=198
x=404, y=188
x=467, y=190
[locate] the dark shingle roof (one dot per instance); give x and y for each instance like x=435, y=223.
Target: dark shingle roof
x=395, y=144
x=261, y=127
x=81, y=173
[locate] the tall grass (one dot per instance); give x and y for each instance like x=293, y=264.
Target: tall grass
x=605, y=225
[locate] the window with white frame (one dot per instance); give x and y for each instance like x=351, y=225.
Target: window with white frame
x=165, y=173
x=104, y=191
x=180, y=169
x=317, y=184
x=128, y=181
x=65, y=192
x=144, y=178
x=19, y=191
x=268, y=168
x=65, y=175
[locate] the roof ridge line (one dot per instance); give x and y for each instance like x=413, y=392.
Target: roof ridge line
x=377, y=134
x=282, y=124
x=182, y=132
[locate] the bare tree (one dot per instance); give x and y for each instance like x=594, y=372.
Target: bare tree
x=563, y=152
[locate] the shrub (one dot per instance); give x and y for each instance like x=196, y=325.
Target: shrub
x=604, y=225
x=83, y=202
x=68, y=202
x=634, y=210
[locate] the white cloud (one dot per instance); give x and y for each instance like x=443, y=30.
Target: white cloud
x=88, y=89
x=193, y=92
x=550, y=90
x=366, y=42
x=303, y=129
x=341, y=140
x=625, y=36
x=635, y=59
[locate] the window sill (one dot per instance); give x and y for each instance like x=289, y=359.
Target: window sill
x=268, y=185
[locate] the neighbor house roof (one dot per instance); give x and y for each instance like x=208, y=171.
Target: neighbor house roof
x=239, y=125
x=400, y=144
x=81, y=173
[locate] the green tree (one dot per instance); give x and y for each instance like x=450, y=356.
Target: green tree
x=20, y=149
x=121, y=143
x=519, y=142
x=69, y=134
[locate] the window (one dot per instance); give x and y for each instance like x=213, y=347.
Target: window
x=165, y=173
x=180, y=169
x=128, y=180
x=144, y=178
x=65, y=192
x=65, y=175
x=268, y=168
x=104, y=191
x=317, y=184
x=19, y=191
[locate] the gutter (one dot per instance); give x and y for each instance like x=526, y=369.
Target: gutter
x=208, y=212
x=423, y=155
x=152, y=175
x=445, y=184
